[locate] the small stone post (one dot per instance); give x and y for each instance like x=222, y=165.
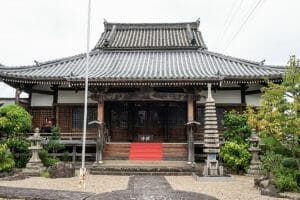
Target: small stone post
x=254, y=149
x=35, y=166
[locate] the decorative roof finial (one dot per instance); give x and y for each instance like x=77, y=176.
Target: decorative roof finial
x=262, y=62
x=198, y=21
x=37, y=63
x=104, y=21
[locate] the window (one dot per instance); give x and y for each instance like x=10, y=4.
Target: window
x=77, y=116
x=177, y=115
x=119, y=115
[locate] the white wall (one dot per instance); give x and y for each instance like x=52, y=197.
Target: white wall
x=65, y=96
x=41, y=99
x=253, y=99
x=224, y=96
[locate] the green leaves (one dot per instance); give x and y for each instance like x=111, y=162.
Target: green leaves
x=19, y=149
x=235, y=155
x=6, y=161
x=237, y=128
x=14, y=119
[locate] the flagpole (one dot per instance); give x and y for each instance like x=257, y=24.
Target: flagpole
x=83, y=169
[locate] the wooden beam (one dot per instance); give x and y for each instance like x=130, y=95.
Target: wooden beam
x=252, y=92
x=42, y=92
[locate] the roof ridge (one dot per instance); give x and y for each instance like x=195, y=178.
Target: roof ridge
x=109, y=25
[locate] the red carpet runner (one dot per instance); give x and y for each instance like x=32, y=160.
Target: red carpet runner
x=145, y=151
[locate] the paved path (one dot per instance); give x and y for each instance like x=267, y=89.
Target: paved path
x=139, y=188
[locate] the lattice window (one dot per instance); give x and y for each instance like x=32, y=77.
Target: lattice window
x=177, y=115
x=119, y=115
x=77, y=116
x=220, y=117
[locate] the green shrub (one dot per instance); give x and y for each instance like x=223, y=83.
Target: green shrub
x=53, y=144
x=236, y=126
x=286, y=182
x=272, y=144
x=235, y=155
x=290, y=163
x=282, y=169
x=19, y=148
x=45, y=174
x=65, y=157
x=6, y=161
x=297, y=177
x=46, y=160
x=271, y=162
x=14, y=119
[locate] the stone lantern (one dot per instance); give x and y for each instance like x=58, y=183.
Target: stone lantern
x=254, y=149
x=35, y=166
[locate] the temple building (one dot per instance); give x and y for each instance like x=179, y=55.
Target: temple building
x=146, y=82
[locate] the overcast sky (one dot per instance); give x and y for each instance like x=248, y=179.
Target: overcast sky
x=47, y=29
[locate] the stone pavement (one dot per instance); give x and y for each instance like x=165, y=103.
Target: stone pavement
x=26, y=193
x=139, y=188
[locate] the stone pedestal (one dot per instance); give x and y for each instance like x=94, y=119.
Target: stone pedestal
x=35, y=166
x=212, y=168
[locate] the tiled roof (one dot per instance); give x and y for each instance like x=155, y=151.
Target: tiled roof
x=112, y=67
x=151, y=36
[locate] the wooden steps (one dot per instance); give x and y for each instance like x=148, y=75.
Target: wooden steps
x=170, y=151
x=177, y=151
x=145, y=151
x=116, y=151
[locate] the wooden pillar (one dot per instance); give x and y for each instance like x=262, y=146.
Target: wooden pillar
x=100, y=137
x=130, y=121
x=190, y=116
x=243, y=93
x=100, y=113
x=74, y=154
x=190, y=108
x=17, y=96
x=55, y=105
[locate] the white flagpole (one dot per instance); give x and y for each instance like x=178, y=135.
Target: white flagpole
x=83, y=169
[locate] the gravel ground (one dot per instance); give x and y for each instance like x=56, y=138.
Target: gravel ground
x=95, y=183
x=239, y=187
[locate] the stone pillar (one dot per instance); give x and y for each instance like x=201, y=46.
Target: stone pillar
x=211, y=137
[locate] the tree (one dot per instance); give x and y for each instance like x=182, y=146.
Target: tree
x=14, y=119
x=54, y=144
x=278, y=115
x=236, y=126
